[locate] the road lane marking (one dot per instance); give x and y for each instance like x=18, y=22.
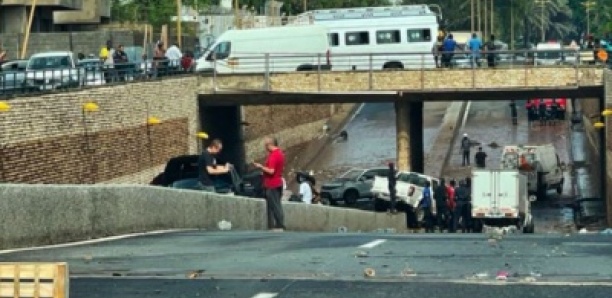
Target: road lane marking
x=373, y=243
x=94, y=241
x=265, y=295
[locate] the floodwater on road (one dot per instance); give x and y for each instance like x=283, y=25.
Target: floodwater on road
x=372, y=139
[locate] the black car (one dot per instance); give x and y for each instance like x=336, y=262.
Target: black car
x=182, y=172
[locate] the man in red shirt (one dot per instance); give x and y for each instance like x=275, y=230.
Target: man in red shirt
x=273, y=183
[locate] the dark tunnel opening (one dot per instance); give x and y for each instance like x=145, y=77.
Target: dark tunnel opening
x=225, y=123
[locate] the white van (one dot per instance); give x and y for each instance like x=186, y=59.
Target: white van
x=541, y=164
x=398, y=37
x=549, y=54
x=290, y=48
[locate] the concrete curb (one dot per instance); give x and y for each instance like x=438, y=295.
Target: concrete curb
x=443, y=145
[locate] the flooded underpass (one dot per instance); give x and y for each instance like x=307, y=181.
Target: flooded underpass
x=372, y=143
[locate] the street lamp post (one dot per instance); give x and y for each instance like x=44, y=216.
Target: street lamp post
x=492, y=15
x=511, y=25
x=542, y=4
x=587, y=6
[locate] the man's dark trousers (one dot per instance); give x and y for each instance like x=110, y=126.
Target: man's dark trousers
x=466, y=158
x=276, y=217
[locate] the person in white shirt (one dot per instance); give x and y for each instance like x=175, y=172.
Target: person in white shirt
x=305, y=189
x=174, y=56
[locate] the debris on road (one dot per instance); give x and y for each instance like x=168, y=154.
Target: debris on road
x=481, y=275
x=408, y=272
x=369, y=272
x=224, y=225
x=502, y=275
x=342, y=230
x=606, y=232
x=529, y=279
x=361, y=254
x=194, y=274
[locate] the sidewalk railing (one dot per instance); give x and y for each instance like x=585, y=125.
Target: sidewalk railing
x=321, y=63
x=85, y=74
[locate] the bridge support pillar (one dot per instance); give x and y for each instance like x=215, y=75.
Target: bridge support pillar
x=417, y=155
x=409, y=124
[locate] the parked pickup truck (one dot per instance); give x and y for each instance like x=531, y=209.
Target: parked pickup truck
x=500, y=199
x=350, y=186
x=409, y=191
x=54, y=70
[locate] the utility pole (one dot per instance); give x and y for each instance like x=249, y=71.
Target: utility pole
x=179, y=20
x=305, y=5
x=492, y=16
x=512, y=25
x=479, y=9
x=542, y=7
x=486, y=17
x=587, y=6
x=236, y=13
x=472, y=7
x=24, y=48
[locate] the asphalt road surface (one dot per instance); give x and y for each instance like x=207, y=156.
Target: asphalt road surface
x=251, y=264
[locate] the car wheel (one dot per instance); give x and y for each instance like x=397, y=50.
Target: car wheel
x=350, y=197
x=380, y=205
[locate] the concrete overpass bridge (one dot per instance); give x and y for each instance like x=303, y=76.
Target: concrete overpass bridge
x=407, y=89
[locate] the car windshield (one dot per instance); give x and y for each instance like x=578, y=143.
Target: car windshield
x=351, y=175
x=412, y=178
x=49, y=62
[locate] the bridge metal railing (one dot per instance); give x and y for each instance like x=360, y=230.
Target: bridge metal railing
x=425, y=62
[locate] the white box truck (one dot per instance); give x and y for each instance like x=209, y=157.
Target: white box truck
x=540, y=163
x=500, y=199
x=288, y=48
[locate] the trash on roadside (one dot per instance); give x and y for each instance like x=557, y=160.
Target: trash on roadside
x=606, y=232
x=361, y=254
x=583, y=231
x=529, y=279
x=224, y=225
x=194, y=274
x=481, y=275
x=369, y=272
x=390, y=231
x=342, y=229
x=535, y=274
x=408, y=272
x=502, y=275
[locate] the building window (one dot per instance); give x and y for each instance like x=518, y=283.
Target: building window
x=419, y=35
x=387, y=36
x=334, y=39
x=357, y=38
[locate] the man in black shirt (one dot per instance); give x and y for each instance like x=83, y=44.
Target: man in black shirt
x=480, y=158
x=207, y=166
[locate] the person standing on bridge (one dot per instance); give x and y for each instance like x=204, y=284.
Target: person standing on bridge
x=480, y=158
x=465, y=150
x=426, y=205
x=513, y=112
x=448, y=47
x=475, y=46
x=273, y=183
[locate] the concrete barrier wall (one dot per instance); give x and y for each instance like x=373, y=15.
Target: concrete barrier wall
x=35, y=215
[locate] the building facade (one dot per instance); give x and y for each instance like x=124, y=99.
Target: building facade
x=53, y=15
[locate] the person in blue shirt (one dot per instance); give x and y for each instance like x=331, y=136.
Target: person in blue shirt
x=448, y=47
x=475, y=46
x=426, y=204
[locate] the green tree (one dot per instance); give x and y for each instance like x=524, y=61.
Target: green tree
x=154, y=12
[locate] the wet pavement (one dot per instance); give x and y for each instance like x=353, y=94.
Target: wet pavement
x=293, y=265
x=371, y=139
x=489, y=125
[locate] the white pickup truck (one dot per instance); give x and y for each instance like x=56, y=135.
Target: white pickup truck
x=500, y=199
x=409, y=192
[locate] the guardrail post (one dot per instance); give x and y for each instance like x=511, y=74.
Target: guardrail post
x=370, y=74
x=319, y=72
x=267, y=72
